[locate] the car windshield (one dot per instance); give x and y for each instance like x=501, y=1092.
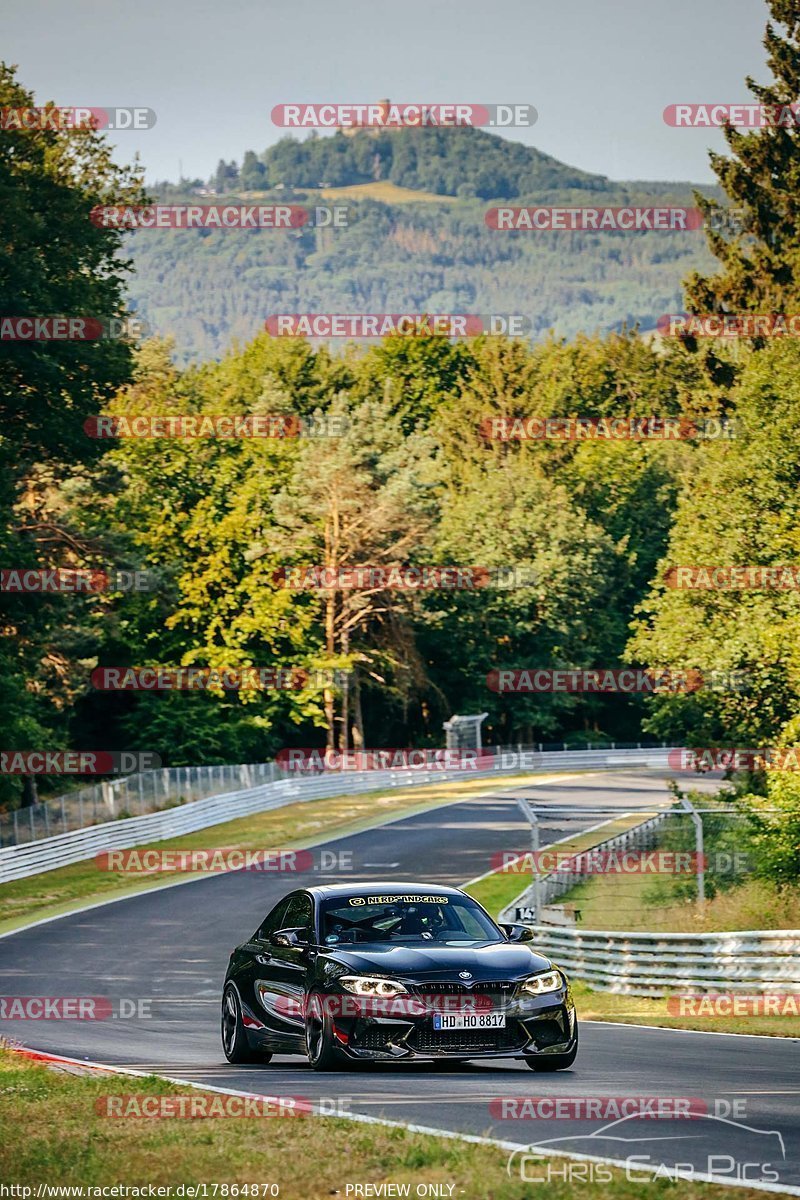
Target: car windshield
x=447, y=920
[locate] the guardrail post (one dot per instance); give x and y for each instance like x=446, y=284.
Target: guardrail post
x=697, y=821
x=537, y=884
x=108, y=796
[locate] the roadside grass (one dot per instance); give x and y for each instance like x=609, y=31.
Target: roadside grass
x=496, y=891
x=640, y=902
x=292, y=827
x=650, y=1010
x=53, y=1134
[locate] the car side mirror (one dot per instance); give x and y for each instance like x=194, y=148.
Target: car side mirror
x=518, y=933
x=297, y=937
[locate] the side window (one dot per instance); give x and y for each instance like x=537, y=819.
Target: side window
x=274, y=920
x=299, y=912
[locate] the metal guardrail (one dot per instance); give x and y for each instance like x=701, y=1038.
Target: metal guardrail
x=152, y=791
x=642, y=964
x=30, y=858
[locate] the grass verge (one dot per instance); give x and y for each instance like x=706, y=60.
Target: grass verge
x=53, y=1134
x=292, y=827
x=650, y=1010
x=635, y=901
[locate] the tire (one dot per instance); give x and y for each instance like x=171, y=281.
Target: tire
x=234, y=1039
x=322, y=1053
x=554, y=1062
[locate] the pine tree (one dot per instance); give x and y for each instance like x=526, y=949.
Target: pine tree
x=760, y=249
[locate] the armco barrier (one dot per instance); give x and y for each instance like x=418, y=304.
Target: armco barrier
x=655, y=964
x=30, y=858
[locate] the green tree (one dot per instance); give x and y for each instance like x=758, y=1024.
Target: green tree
x=760, y=257
x=739, y=506
x=55, y=262
x=362, y=499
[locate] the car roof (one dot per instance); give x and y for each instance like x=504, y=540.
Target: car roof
x=330, y=891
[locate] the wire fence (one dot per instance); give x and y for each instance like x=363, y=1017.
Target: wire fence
x=129, y=796
x=646, y=877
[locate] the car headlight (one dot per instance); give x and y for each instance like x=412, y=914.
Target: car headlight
x=368, y=985
x=546, y=981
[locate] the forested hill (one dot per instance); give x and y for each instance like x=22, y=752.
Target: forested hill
x=417, y=241
x=450, y=162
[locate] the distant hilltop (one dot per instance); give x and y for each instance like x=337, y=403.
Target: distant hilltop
x=454, y=160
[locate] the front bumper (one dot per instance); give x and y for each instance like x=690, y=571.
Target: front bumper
x=537, y=1026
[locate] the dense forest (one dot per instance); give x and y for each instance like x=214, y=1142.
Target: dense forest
x=392, y=467
x=420, y=253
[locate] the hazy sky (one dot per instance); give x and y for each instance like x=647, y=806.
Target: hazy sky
x=600, y=72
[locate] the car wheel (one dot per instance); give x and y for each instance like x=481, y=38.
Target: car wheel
x=234, y=1039
x=322, y=1053
x=554, y=1062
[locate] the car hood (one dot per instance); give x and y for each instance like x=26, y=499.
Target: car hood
x=497, y=961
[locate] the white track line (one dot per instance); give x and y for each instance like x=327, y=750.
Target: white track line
x=770, y=1037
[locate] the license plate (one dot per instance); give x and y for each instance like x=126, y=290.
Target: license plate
x=469, y=1021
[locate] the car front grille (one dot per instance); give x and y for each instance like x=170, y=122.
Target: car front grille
x=451, y=1041
x=462, y=989
x=375, y=1037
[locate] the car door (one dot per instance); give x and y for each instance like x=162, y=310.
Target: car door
x=252, y=972
x=280, y=989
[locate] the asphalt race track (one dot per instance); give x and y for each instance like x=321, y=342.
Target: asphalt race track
x=170, y=948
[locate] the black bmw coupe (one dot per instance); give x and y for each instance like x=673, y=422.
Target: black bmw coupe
x=394, y=972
